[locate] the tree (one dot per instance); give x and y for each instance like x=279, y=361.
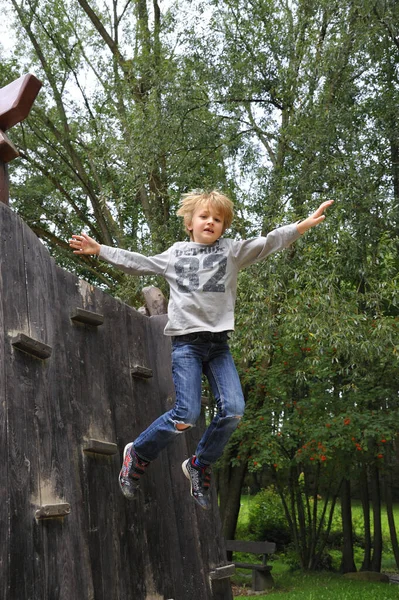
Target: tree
x=120, y=131
x=310, y=101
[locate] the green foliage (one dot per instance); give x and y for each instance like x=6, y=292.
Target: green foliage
x=120, y=130
x=267, y=520
x=259, y=515
x=323, y=586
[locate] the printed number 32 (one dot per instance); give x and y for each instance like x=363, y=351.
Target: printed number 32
x=187, y=269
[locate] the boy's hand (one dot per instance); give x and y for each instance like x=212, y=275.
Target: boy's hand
x=314, y=219
x=83, y=244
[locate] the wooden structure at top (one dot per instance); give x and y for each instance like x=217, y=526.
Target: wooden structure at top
x=16, y=100
x=81, y=374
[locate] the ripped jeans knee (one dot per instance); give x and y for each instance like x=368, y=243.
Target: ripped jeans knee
x=181, y=427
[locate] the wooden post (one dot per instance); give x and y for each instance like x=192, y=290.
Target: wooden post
x=4, y=188
x=156, y=303
x=16, y=100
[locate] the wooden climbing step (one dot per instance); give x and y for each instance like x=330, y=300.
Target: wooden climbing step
x=31, y=346
x=222, y=572
x=53, y=511
x=141, y=372
x=100, y=447
x=87, y=317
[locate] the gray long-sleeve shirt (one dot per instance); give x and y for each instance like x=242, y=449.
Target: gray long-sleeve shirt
x=202, y=277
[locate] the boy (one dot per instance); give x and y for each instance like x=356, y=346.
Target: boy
x=202, y=275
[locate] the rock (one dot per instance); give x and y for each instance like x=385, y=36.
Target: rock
x=155, y=301
x=371, y=576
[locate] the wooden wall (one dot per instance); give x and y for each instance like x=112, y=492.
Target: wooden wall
x=161, y=545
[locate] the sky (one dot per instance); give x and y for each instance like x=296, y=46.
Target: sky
x=6, y=38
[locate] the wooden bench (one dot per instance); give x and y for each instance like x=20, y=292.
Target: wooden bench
x=261, y=576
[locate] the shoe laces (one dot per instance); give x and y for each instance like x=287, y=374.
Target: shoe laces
x=201, y=476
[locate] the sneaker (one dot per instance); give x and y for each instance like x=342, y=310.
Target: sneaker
x=132, y=469
x=200, y=480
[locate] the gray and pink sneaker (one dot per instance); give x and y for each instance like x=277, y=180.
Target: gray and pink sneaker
x=133, y=468
x=200, y=480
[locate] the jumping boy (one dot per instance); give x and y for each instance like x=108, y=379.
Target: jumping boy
x=202, y=275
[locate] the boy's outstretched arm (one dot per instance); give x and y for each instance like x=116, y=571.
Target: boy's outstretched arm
x=83, y=244
x=314, y=219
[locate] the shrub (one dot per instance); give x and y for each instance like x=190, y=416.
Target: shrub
x=267, y=519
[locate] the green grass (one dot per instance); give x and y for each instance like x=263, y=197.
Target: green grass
x=326, y=586
x=290, y=585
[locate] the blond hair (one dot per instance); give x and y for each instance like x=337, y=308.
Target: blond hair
x=193, y=200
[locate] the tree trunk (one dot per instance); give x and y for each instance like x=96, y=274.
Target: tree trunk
x=292, y=512
x=230, y=480
x=376, y=500
x=391, y=520
x=348, y=563
x=303, y=532
x=364, y=496
x=324, y=535
x=395, y=167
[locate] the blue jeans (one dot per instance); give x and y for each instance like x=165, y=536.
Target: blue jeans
x=189, y=361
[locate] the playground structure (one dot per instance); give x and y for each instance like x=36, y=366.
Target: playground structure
x=81, y=374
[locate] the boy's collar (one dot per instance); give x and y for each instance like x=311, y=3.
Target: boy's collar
x=200, y=244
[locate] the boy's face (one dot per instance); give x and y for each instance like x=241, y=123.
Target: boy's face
x=206, y=225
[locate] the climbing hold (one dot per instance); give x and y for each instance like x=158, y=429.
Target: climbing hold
x=31, y=346
x=141, y=372
x=53, y=511
x=101, y=447
x=88, y=317
x=222, y=572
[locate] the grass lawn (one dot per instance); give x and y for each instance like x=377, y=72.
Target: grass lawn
x=326, y=586
x=290, y=585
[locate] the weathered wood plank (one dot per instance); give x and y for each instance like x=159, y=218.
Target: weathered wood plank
x=256, y=567
x=112, y=404
x=223, y=572
x=153, y=397
x=51, y=511
x=22, y=448
x=7, y=149
x=250, y=546
x=141, y=372
x=4, y=183
x=83, y=390
x=31, y=346
x=4, y=500
x=88, y=317
x=56, y=541
x=101, y=447
x=16, y=100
